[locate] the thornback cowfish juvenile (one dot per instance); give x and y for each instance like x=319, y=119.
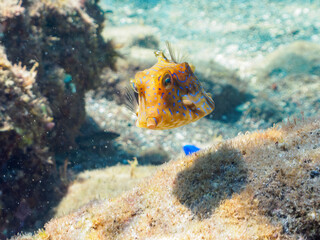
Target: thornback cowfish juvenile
x=169, y=94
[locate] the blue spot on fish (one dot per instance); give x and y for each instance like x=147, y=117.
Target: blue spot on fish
x=193, y=95
x=203, y=107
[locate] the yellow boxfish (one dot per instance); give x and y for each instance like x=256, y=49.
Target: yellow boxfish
x=169, y=94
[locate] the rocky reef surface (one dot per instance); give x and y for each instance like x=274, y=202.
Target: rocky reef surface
x=28, y=182
x=260, y=185
x=51, y=53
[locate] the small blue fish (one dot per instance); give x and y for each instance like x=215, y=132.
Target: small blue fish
x=189, y=149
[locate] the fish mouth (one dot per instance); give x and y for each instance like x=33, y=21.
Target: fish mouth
x=152, y=122
x=146, y=120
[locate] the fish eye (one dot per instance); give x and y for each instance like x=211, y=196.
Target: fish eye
x=167, y=80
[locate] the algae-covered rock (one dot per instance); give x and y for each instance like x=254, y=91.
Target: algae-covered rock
x=64, y=37
x=261, y=185
x=51, y=53
x=100, y=184
x=28, y=183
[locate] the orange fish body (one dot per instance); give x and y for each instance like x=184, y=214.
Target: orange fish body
x=169, y=95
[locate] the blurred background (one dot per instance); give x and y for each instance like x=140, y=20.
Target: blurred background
x=66, y=135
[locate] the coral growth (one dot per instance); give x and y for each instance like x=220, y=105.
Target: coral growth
x=10, y=9
x=51, y=53
x=63, y=36
x=26, y=166
x=261, y=185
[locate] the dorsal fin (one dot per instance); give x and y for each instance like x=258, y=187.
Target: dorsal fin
x=175, y=55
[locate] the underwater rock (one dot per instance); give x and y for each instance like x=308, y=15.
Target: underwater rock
x=287, y=82
x=289, y=79
x=133, y=35
x=28, y=181
x=9, y=9
x=51, y=53
x=254, y=186
x=100, y=184
x=64, y=37
x=299, y=57
x=261, y=108
x=142, y=56
x=153, y=156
